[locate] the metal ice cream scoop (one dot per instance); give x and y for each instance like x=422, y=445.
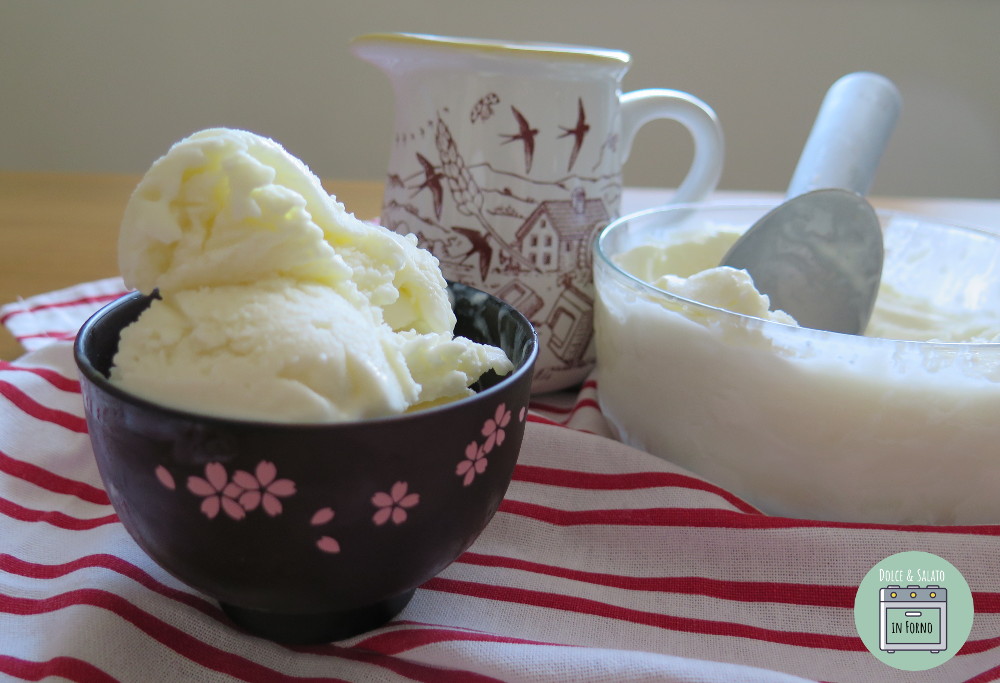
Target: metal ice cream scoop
x=818, y=256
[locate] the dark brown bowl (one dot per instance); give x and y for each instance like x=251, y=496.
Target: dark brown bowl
x=309, y=532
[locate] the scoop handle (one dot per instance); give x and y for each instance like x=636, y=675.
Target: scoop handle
x=849, y=136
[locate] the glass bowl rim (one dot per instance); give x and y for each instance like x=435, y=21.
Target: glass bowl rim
x=601, y=254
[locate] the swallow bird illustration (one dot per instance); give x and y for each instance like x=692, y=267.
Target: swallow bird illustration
x=526, y=134
x=432, y=182
x=480, y=245
x=578, y=132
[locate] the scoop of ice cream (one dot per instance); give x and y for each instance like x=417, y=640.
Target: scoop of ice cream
x=229, y=207
x=688, y=267
x=275, y=302
x=723, y=287
x=279, y=349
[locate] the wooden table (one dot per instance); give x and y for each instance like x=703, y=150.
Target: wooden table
x=57, y=230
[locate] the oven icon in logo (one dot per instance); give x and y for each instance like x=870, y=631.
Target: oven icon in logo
x=913, y=618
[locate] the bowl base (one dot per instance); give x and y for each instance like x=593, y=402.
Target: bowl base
x=303, y=629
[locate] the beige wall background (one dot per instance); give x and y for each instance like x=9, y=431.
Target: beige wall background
x=108, y=85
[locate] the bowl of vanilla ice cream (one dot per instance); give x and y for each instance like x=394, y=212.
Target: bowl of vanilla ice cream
x=899, y=425
x=294, y=413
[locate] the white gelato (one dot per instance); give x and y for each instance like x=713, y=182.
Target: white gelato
x=276, y=303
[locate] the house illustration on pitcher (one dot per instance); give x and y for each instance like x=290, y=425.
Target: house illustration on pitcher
x=556, y=236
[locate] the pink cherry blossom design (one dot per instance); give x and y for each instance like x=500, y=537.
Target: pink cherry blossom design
x=321, y=516
x=233, y=490
x=524, y=412
x=165, y=478
x=393, y=505
x=493, y=428
x=262, y=488
x=474, y=463
x=328, y=545
x=216, y=492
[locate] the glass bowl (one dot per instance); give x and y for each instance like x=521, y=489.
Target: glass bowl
x=807, y=423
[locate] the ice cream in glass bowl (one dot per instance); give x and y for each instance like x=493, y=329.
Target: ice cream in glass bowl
x=295, y=413
x=896, y=426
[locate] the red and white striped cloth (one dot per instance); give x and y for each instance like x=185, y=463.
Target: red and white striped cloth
x=603, y=564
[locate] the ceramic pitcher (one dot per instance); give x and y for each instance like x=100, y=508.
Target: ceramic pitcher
x=507, y=158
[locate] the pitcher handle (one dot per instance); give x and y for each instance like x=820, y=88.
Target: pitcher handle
x=642, y=106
